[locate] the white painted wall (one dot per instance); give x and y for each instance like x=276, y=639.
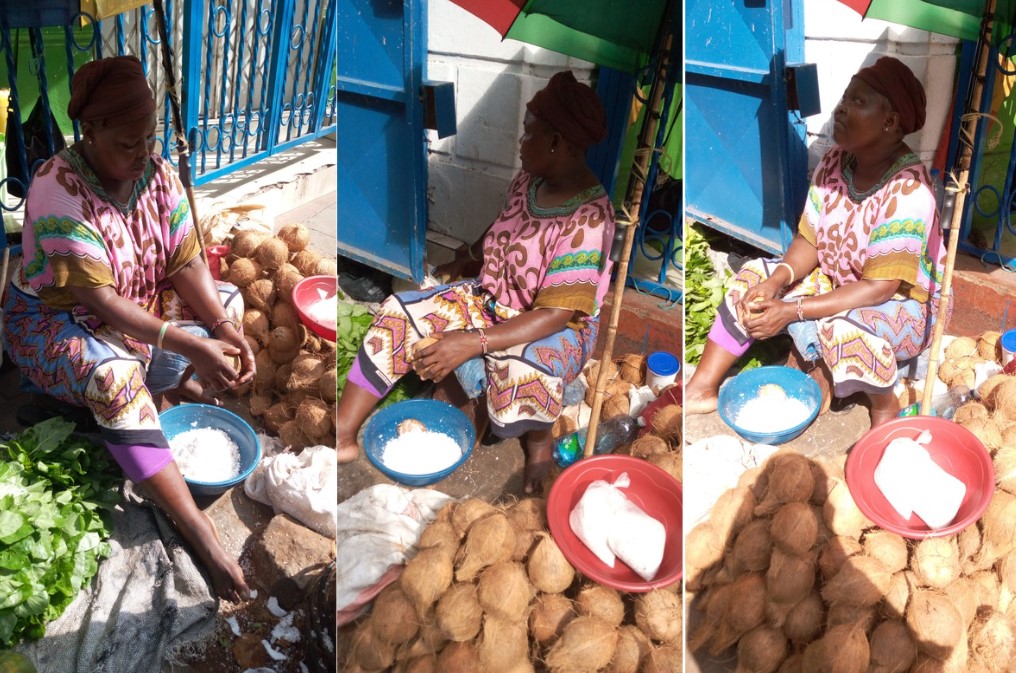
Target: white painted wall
x=469, y=172
x=840, y=44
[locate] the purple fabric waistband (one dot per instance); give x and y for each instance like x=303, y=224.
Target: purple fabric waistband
x=725, y=339
x=140, y=462
x=356, y=376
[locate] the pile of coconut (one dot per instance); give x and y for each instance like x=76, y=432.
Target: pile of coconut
x=661, y=444
x=490, y=591
x=788, y=571
x=294, y=389
x=961, y=359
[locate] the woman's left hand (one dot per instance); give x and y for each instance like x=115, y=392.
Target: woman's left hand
x=247, y=368
x=440, y=359
x=769, y=317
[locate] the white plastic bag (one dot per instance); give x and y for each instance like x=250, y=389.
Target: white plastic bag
x=302, y=485
x=590, y=519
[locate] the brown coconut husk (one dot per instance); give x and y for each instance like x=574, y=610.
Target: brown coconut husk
x=1005, y=466
x=665, y=659
x=861, y=581
x=752, y=548
x=283, y=345
x=295, y=236
x=803, y=622
x=459, y=658
x=749, y=608
x=551, y=613
x=504, y=590
x=525, y=542
x=367, y=650
x=986, y=430
x=969, y=411
x=615, y=406
x=488, y=541
x=826, y=474
x=587, y=644
x=843, y=649
x=468, y=511
x=993, y=642
x=960, y=347
x=987, y=345
x=963, y=593
x=272, y=253
x=260, y=403
x=792, y=664
x=658, y=614
x=548, y=569
x=292, y=436
x=306, y=262
x=327, y=386
x=935, y=623
x=791, y=479
x=968, y=541
x=426, y=577
x=794, y=528
x=423, y=663
x=986, y=391
x=790, y=577
x=394, y=617
x=632, y=647
x=502, y=645
x=528, y=514
x=731, y=512
x=563, y=426
x=892, y=647
x=314, y=417
x=761, y=650
x=999, y=529
x=326, y=266
x=286, y=278
x=276, y=416
x=243, y=272
x=936, y=562
x=851, y=615
x=439, y=534
x=260, y=295
x=245, y=242
x=458, y=613
x=987, y=587
x=649, y=445
x=713, y=606
x=264, y=379
x=672, y=463
x=256, y=325
x=596, y=600
x=889, y=548
x=632, y=368
x=1003, y=400
x=305, y=372
x=667, y=422
x=841, y=514
x=895, y=602
x=702, y=550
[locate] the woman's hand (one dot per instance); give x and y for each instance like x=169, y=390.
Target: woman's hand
x=769, y=317
x=753, y=299
x=440, y=359
x=228, y=334
x=213, y=362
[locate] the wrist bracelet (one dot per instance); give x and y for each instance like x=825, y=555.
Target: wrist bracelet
x=800, y=309
x=789, y=269
x=219, y=323
x=483, y=340
x=162, y=335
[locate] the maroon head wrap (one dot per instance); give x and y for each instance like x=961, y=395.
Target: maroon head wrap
x=110, y=88
x=891, y=78
x=573, y=109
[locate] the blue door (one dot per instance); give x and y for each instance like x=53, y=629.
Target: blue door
x=746, y=169
x=382, y=158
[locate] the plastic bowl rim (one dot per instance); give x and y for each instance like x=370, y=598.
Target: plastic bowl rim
x=257, y=445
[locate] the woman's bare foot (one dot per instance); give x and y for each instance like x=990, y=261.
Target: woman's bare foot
x=347, y=450
x=700, y=399
x=226, y=574
x=539, y=458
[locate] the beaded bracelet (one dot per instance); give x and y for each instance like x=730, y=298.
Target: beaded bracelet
x=800, y=309
x=220, y=322
x=483, y=340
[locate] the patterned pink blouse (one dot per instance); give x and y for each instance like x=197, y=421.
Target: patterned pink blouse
x=889, y=232
x=549, y=257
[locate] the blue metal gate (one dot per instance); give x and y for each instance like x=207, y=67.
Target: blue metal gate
x=258, y=76
x=382, y=153
x=746, y=166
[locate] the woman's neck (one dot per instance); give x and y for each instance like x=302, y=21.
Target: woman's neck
x=560, y=186
x=120, y=190
x=871, y=166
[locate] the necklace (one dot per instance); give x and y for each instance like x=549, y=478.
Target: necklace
x=124, y=205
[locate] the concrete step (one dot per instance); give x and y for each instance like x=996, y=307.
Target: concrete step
x=983, y=298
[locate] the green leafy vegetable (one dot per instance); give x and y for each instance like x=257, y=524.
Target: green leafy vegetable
x=703, y=294
x=354, y=321
x=56, y=493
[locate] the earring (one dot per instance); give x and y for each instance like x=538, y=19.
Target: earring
x=551, y=150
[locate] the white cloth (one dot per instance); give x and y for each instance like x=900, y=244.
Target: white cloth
x=302, y=485
x=378, y=528
x=717, y=463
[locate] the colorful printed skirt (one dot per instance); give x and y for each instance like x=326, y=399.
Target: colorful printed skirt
x=861, y=346
x=524, y=383
x=81, y=361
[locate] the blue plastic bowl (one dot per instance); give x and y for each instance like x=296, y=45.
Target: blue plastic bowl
x=437, y=416
x=745, y=387
x=192, y=416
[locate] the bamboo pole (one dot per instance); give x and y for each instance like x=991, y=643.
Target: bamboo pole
x=969, y=127
x=632, y=202
x=182, y=148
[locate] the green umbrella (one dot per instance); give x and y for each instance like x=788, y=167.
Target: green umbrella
x=956, y=18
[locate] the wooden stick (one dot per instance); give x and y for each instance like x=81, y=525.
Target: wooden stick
x=970, y=122
x=632, y=202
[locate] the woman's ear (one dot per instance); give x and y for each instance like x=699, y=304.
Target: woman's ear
x=556, y=142
x=892, y=121
x=88, y=132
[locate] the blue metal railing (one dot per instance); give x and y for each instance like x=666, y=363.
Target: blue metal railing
x=257, y=76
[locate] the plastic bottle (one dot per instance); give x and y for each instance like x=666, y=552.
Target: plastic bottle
x=609, y=435
x=945, y=405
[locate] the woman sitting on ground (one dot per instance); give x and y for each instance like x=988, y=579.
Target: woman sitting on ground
x=113, y=300
x=858, y=287
x=532, y=313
